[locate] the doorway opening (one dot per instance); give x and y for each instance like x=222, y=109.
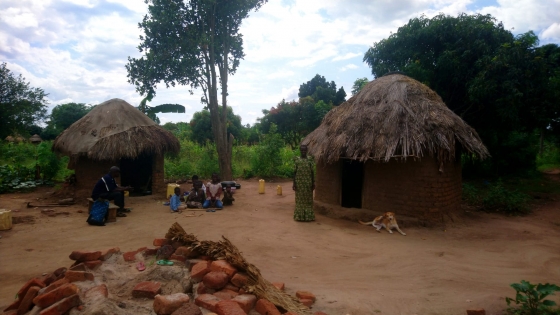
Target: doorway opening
x=138, y=174
x=352, y=183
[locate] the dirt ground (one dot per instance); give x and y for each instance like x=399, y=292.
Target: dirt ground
x=351, y=268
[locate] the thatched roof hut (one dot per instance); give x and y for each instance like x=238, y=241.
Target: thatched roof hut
x=387, y=144
x=116, y=133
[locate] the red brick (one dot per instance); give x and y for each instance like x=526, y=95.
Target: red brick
x=78, y=267
x=222, y=265
x=306, y=302
x=279, y=285
x=14, y=306
x=226, y=294
x=476, y=312
x=150, y=251
x=31, y=283
x=147, y=289
x=183, y=251
x=231, y=287
x=291, y=313
x=178, y=258
x=188, y=309
x=81, y=256
x=161, y=242
x=191, y=262
x=239, y=279
x=56, y=284
x=229, y=308
x=48, y=279
x=62, y=306
x=130, y=256
x=265, y=307
x=48, y=299
x=167, y=304
x=320, y=313
x=202, y=289
x=106, y=254
x=93, y=264
x=215, y=279
x=97, y=290
x=74, y=276
x=242, y=291
x=27, y=300
x=246, y=301
x=305, y=295
x=208, y=301
x=200, y=270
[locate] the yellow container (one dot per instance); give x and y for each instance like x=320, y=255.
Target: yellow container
x=171, y=190
x=5, y=219
x=261, y=186
x=279, y=190
x=126, y=193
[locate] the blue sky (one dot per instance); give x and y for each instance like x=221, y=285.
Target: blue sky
x=76, y=49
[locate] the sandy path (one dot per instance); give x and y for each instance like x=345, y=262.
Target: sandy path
x=351, y=268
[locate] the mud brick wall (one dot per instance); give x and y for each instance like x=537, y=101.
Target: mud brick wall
x=328, y=183
x=88, y=172
x=159, y=188
x=413, y=188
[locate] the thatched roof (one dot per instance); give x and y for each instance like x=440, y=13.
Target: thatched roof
x=114, y=130
x=393, y=116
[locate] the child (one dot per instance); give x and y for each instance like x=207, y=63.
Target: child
x=213, y=193
x=175, y=201
x=197, y=196
x=228, y=197
x=195, y=179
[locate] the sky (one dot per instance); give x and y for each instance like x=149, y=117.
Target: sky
x=76, y=50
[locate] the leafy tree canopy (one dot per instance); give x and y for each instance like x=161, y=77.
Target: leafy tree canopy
x=62, y=117
x=320, y=90
x=201, y=126
x=359, y=84
x=20, y=104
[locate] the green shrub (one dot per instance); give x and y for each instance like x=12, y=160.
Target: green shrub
x=47, y=160
x=496, y=197
x=267, y=160
x=16, y=177
x=530, y=299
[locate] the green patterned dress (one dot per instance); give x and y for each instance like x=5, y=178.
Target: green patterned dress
x=304, y=190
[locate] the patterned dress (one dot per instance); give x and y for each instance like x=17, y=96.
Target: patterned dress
x=304, y=189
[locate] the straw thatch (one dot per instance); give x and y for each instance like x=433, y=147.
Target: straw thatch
x=393, y=116
x=114, y=130
x=225, y=250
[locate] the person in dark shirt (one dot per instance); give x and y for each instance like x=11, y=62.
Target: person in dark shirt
x=107, y=188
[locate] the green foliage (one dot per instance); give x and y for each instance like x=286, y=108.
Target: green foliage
x=530, y=299
x=47, y=160
x=320, y=90
x=201, y=126
x=181, y=130
x=359, y=85
x=268, y=160
x=20, y=105
x=550, y=157
x=496, y=197
x=62, y=117
x=151, y=111
x=16, y=177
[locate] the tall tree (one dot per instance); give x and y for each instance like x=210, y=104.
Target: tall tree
x=201, y=126
x=195, y=43
x=62, y=117
x=359, y=85
x=20, y=104
x=320, y=89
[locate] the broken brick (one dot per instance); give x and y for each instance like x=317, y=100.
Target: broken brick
x=229, y=308
x=106, y=254
x=188, y=309
x=92, y=265
x=31, y=283
x=226, y=294
x=167, y=304
x=222, y=265
x=48, y=299
x=27, y=300
x=62, y=306
x=161, y=242
x=305, y=295
x=74, y=276
x=81, y=256
x=265, y=307
x=200, y=270
x=279, y=285
x=147, y=289
x=245, y=301
x=215, y=279
x=306, y=302
x=239, y=279
x=207, y=301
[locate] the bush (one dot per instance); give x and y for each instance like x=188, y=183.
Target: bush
x=16, y=177
x=47, y=160
x=530, y=299
x=496, y=197
x=268, y=160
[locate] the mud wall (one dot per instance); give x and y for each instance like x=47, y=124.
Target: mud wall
x=159, y=188
x=88, y=172
x=327, y=183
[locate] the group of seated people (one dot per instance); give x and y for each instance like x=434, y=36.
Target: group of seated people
x=202, y=196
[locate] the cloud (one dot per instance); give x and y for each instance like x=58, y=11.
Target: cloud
x=349, y=67
x=552, y=32
x=347, y=56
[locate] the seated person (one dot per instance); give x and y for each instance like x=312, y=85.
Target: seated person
x=213, y=193
x=195, y=179
x=175, y=201
x=106, y=188
x=228, y=196
x=197, y=196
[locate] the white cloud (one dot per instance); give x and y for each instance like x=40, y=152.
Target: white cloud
x=347, y=56
x=552, y=32
x=349, y=67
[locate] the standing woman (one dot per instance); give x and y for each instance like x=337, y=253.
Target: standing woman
x=304, y=184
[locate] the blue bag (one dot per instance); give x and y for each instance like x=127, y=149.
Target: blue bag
x=98, y=212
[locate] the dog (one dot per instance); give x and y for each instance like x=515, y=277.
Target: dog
x=387, y=221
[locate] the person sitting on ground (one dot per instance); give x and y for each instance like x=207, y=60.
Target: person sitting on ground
x=197, y=196
x=213, y=193
x=195, y=179
x=106, y=188
x=228, y=196
x=175, y=201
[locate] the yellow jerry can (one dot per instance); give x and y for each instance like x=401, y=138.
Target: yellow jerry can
x=5, y=219
x=279, y=190
x=171, y=190
x=261, y=186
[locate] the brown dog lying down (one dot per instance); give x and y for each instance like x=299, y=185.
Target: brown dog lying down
x=387, y=221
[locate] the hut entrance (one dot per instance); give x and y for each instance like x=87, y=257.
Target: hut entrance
x=137, y=173
x=352, y=183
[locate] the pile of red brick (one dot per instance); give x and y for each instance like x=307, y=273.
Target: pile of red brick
x=216, y=286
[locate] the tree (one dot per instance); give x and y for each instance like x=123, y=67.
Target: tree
x=359, y=85
x=320, y=90
x=201, y=126
x=20, y=104
x=62, y=117
x=181, y=130
x=195, y=43
x=164, y=108
x=494, y=80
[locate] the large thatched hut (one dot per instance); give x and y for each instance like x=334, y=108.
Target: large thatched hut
x=116, y=133
x=395, y=146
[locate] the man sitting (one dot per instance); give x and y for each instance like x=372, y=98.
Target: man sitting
x=107, y=188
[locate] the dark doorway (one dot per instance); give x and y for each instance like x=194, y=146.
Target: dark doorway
x=352, y=183
x=138, y=174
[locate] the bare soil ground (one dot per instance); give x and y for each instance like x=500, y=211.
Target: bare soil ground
x=351, y=268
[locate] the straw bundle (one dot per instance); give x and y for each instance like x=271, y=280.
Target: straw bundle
x=393, y=116
x=225, y=250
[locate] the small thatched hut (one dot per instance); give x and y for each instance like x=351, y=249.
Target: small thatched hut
x=395, y=146
x=116, y=133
